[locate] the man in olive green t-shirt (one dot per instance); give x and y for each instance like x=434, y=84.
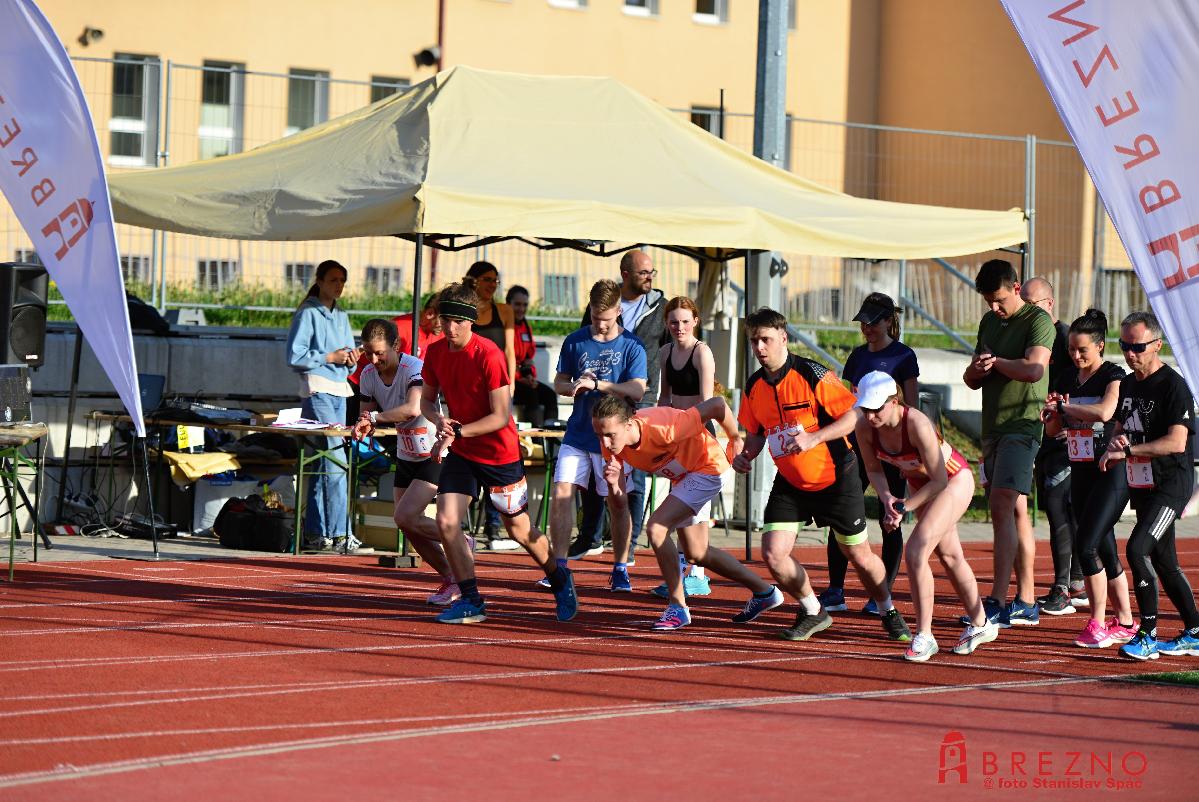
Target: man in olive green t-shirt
x=1010, y=366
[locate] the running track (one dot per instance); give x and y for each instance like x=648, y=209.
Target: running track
x=327, y=679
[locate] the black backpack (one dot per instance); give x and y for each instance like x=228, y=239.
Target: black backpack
x=248, y=524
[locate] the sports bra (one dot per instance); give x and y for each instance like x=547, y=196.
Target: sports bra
x=908, y=460
x=685, y=380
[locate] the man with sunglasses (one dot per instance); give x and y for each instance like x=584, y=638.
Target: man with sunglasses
x=1152, y=438
x=1010, y=364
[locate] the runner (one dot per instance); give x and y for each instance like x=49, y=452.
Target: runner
x=800, y=408
x=1153, y=438
x=674, y=443
x=939, y=488
x=479, y=432
x=391, y=387
x=1083, y=406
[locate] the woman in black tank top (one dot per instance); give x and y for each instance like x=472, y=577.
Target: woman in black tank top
x=496, y=321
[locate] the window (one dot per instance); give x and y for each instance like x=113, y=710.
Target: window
x=693, y=289
x=133, y=129
x=707, y=118
x=560, y=291
x=641, y=8
x=26, y=256
x=384, y=280
x=222, y=86
x=307, y=99
x=791, y=4
x=568, y=3
x=217, y=274
x=298, y=274
x=711, y=12
x=382, y=87
x=135, y=269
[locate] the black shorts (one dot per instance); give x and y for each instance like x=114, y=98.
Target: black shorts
x=460, y=475
x=425, y=470
x=841, y=506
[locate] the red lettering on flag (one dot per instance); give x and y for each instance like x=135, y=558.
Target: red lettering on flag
x=1172, y=244
x=77, y=217
x=1121, y=112
x=1060, y=16
x=1165, y=193
x=1144, y=148
x=1104, y=53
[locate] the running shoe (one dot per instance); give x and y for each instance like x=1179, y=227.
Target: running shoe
x=464, y=611
x=543, y=584
x=566, y=601
x=973, y=637
x=833, y=600
x=1182, y=646
x=1025, y=615
x=675, y=617
x=502, y=544
x=996, y=611
x=583, y=548
x=807, y=624
x=1142, y=647
x=921, y=648
x=1057, y=602
x=1095, y=635
x=1078, y=595
x=1120, y=633
x=697, y=586
x=897, y=628
x=446, y=595
x=758, y=605
x=619, y=581
x=871, y=608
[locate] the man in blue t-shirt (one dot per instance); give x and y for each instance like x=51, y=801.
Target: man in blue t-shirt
x=599, y=358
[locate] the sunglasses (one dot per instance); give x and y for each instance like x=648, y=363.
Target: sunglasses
x=1137, y=348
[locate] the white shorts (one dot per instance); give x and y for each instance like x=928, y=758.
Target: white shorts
x=576, y=466
x=697, y=490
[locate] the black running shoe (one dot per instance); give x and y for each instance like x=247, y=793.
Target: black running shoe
x=806, y=625
x=897, y=628
x=1057, y=602
x=583, y=548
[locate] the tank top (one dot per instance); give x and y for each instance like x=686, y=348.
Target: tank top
x=684, y=380
x=494, y=330
x=908, y=460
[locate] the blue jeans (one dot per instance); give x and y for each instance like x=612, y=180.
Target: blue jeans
x=595, y=511
x=325, y=507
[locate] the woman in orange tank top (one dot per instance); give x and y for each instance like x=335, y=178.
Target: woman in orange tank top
x=940, y=486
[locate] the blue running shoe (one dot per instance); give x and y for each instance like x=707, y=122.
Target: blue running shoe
x=696, y=586
x=1181, y=646
x=619, y=583
x=1023, y=614
x=663, y=592
x=995, y=611
x=758, y=605
x=464, y=611
x=871, y=608
x=833, y=600
x=566, y=601
x=1142, y=647
x=674, y=618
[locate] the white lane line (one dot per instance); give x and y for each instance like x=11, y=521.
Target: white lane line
x=204, y=756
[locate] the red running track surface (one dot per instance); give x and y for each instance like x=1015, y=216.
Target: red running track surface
x=327, y=678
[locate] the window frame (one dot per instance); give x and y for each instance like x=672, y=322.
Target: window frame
x=234, y=133
x=383, y=279
x=719, y=17
x=228, y=274
x=319, y=81
x=557, y=286
x=395, y=84
x=649, y=9
x=145, y=126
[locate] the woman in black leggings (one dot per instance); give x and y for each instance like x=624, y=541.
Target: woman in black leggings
x=1084, y=405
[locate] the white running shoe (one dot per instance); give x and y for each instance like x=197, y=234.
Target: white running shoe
x=973, y=637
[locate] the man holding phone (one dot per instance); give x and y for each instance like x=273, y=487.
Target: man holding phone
x=1010, y=366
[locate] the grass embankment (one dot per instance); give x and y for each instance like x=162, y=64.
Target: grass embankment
x=1170, y=678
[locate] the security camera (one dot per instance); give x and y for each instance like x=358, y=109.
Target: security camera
x=90, y=35
x=429, y=57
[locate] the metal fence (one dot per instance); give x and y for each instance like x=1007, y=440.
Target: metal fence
x=150, y=114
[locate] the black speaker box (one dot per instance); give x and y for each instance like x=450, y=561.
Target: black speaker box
x=23, y=292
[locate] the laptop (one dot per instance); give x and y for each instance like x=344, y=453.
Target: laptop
x=152, y=386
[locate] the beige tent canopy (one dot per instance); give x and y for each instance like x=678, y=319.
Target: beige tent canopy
x=474, y=152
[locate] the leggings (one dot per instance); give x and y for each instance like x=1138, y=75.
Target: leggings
x=892, y=539
x=1152, y=556
x=1053, y=477
x=1098, y=498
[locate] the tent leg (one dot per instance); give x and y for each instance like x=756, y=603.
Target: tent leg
x=66, y=451
x=749, y=481
x=416, y=305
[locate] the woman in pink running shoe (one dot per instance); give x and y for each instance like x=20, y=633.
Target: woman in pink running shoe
x=940, y=486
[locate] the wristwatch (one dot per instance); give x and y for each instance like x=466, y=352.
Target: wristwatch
x=457, y=429
x=1127, y=450
x=373, y=416
x=1061, y=408
x=595, y=382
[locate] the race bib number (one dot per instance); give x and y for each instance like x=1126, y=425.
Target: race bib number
x=1140, y=472
x=780, y=439
x=1081, y=445
x=510, y=499
x=414, y=443
x=672, y=470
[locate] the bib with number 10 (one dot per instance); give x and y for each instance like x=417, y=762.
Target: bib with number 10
x=1081, y=444
x=414, y=443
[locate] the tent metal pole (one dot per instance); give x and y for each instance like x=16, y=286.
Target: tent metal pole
x=749, y=481
x=416, y=277
x=66, y=450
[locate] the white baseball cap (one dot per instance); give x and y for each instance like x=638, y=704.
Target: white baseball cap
x=874, y=389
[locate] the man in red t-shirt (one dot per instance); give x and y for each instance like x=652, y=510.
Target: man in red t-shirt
x=471, y=374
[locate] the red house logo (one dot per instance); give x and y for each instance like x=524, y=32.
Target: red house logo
x=952, y=757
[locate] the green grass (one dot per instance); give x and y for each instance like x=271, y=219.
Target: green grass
x=1169, y=677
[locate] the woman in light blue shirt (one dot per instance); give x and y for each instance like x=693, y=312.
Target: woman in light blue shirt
x=320, y=348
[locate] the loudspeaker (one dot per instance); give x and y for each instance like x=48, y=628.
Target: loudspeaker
x=23, y=292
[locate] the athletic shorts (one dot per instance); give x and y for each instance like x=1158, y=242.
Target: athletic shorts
x=505, y=484
x=425, y=470
x=840, y=506
x=1008, y=461
x=576, y=466
x=697, y=490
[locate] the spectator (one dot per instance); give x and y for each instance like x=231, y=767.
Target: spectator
x=1010, y=364
x=537, y=399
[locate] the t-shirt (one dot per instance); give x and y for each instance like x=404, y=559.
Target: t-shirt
x=632, y=311
x=618, y=360
x=673, y=444
x=526, y=346
x=404, y=327
x=807, y=395
x=466, y=379
x=415, y=436
x=1146, y=411
x=1091, y=391
x=896, y=360
x=1061, y=369
x=1009, y=406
